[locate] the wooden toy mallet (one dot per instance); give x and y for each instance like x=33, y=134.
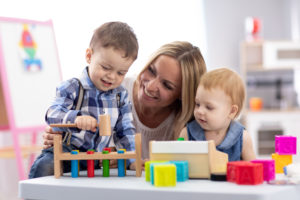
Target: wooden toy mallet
x=104, y=125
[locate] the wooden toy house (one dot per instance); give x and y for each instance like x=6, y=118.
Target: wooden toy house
x=202, y=156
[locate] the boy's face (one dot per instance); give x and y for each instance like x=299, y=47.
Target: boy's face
x=213, y=109
x=107, y=67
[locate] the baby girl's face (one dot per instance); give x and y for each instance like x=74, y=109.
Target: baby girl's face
x=212, y=109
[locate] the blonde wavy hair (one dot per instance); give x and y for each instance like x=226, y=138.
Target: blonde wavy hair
x=193, y=67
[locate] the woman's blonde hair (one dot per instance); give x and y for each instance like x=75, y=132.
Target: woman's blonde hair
x=228, y=81
x=193, y=67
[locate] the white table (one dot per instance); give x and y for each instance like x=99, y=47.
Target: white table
x=131, y=187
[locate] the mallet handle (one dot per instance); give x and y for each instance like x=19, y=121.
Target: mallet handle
x=63, y=125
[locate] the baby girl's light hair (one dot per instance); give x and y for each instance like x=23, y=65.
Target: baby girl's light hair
x=228, y=81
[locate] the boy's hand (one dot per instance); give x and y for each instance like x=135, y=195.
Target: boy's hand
x=86, y=123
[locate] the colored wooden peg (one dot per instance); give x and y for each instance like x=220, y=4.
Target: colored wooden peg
x=74, y=165
x=121, y=164
x=125, y=165
x=105, y=165
x=107, y=149
x=90, y=164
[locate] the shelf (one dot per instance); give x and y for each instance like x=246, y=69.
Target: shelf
x=290, y=110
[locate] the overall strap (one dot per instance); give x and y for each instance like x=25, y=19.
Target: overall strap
x=80, y=95
x=68, y=135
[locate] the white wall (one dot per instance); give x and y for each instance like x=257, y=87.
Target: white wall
x=155, y=23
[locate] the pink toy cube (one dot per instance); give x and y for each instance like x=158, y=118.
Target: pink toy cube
x=268, y=168
x=285, y=145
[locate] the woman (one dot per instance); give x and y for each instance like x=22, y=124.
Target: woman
x=163, y=93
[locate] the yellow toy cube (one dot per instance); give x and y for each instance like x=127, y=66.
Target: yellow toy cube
x=165, y=175
x=147, y=168
x=281, y=161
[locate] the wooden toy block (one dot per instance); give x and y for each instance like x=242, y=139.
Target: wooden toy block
x=182, y=170
x=147, y=167
x=202, y=156
x=268, y=168
x=74, y=165
x=121, y=165
x=231, y=170
x=281, y=161
x=90, y=165
x=285, y=145
x=59, y=155
x=164, y=175
x=104, y=125
x=249, y=174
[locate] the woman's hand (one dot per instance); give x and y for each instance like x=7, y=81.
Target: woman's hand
x=48, y=137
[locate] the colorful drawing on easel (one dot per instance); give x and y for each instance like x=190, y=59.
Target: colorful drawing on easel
x=29, y=51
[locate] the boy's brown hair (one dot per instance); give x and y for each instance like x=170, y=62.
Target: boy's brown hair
x=117, y=35
x=228, y=81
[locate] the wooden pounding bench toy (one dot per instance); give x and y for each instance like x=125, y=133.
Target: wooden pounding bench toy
x=104, y=130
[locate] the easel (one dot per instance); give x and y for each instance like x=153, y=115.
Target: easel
x=7, y=123
x=24, y=94
x=59, y=156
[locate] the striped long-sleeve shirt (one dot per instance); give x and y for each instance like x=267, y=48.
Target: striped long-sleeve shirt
x=114, y=102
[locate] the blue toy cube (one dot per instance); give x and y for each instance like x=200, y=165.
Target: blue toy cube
x=182, y=170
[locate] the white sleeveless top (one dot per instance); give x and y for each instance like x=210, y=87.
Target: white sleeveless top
x=162, y=132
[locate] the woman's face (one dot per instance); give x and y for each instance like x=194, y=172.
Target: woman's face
x=160, y=83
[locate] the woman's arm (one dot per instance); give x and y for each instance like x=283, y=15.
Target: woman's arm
x=247, y=150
